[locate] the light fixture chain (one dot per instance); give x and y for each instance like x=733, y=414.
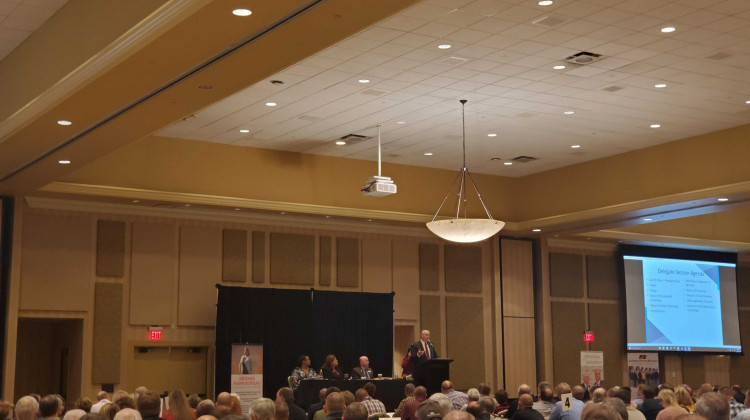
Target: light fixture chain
x=473, y=184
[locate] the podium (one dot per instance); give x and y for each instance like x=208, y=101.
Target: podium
x=432, y=373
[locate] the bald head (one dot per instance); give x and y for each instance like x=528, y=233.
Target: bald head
x=334, y=403
x=206, y=417
x=525, y=400
x=446, y=386
x=578, y=392
x=224, y=400
x=458, y=415
x=524, y=389
x=128, y=414
x=420, y=391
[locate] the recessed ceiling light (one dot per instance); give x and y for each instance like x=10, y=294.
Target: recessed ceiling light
x=237, y=209
x=444, y=46
x=283, y=212
x=328, y=217
x=545, y=3
x=64, y=122
x=364, y=80
x=668, y=29
x=747, y=101
x=136, y=201
x=536, y=230
x=655, y=125
x=660, y=85
x=495, y=158
x=244, y=130
x=187, y=205
x=64, y=162
x=270, y=103
x=400, y=122
x=575, y=146
x=507, y=163
x=428, y=154
x=647, y=219
x=242, y=12
x=340, y=143
x=369, y=220
x=558, y=67
x=492, y=135
x=569, y=112
x=723, y=199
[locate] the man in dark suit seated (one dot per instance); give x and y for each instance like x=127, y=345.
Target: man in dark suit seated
x=362, y=371
x=525, y=412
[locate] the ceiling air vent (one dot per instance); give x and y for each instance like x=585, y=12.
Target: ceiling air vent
x=354, y=138
x=612, y=88
x=719, y=56
x=584, y=57
x=523, y=159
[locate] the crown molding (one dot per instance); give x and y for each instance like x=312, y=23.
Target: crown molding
x=648, y=239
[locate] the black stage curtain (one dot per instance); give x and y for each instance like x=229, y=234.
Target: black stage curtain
x=290, y=323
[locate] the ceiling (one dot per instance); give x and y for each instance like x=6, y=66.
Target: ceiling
x=20, y=18
x=501, y=59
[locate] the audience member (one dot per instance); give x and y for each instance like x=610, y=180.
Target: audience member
x=670, y=413
x=373, y=406
x=221, y=411
x=355, y=411
x=140, y=391
x=287, y=395
x=472, y=395
x=204, y=408
x=348, y=397
x=513, y=404
x=576, y=404
x=599, y=412
x=224, y=399
x=684, y=399
x=430, y=410
x=236, y=405
x=262, y=409
x=207, y=417
x=444, y=402
x=668, y=398
x=734, y=407
x=77, y=413
x=282, y=410
x=321, y=414
x=93, y=416
x=193, y=401
x=314, y=407
x=617, y=405
x=704, y=388
x=651, y=406
x=712, y=406
x=363, y=371
x=109, y=410
x=598, y=395
x=149, y=405
x=27, y=408
x=6, y=410
x=128, y=414
x=525, y=410
x=50, y=408
x=410, y=408
x=458, y=398
x=409, y=393
x=179, y=409
x=458, y=415
x=485, y=391
x=738, y=395
x=633, y=413
x=84, y=404
x=545, y=403
x=501, y=396
x=335, y=405
x=101, y=398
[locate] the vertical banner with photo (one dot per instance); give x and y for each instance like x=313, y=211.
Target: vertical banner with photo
x=592, y=369
x=247, y=372
x=643, y=369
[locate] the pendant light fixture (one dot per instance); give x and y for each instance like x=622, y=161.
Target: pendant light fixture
x=458, y=228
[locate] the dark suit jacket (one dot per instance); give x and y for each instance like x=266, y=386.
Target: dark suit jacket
x=357, y=373
x=331, y=374
x=527, y=413
x=313, y=408
x=418, y=360
x=650, y=408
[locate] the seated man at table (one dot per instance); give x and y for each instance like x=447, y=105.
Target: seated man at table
x=410, y=409
x=373, y=406
x=362, y=371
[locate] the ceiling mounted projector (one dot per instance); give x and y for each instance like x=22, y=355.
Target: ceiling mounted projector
x=378, y=185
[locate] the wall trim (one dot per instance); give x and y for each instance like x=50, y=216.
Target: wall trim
x=659, y=240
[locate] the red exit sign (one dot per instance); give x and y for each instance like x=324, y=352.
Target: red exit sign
x=588, y=337
x=155, y=333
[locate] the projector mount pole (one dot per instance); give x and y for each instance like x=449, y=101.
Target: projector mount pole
x=379, y=150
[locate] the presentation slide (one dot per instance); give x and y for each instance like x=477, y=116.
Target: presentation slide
x=681, y=305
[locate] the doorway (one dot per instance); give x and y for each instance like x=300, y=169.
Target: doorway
x=403, y=337
x=48, y=357
x=166, y=368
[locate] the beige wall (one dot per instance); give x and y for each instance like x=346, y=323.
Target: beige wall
x=172, y=259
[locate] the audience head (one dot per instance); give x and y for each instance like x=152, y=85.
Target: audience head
x=348, y=397
x=193, y=400
x=322, y=394
x=540, y=387
x=612, y=391
x=649, y=392
x=285, y=394
x=330, y=362
x=668, y=399
x=128, y=414
x=84, y=404
x=49, y=406
x=501, y=396
x=443, y=400
x=236, y=405
x=546, y=394
x=364, y=361
x=262, y=409
x=485, y=390
x=666, y=385
x=430, y=410
x=578, y=392
x=360, y=395
x=93, y=416
x=204, y=408
x=149, y=404
x=703, y=389
x=330, y=391
x=524, y=389
x=420, y=392
x=221, y=411
x=334, y=403
x=109, y=410
x=487, y=405
x=473, y=394
x=224, y=399
x=599, y=412
x=206, y=417
x=472, y=408
x=102, y=395
x=6, y=410
x=562, y=388
x=370, y=388
x=671, y=413
x=712, y=406
x=26, y=408
x=446, y=386
x=355, y=411
x=77, y=413
x=598, y=395
x=125, y=401
x=282, y=410
x=683, y=396
x=524, y=401
x=618, y=406
x=623, y=395
x=409, y=389
x=458, y=415
x=140, y=391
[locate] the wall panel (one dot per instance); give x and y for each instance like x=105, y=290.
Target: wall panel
x=465, y=340
x=517, y=272
x=234, y=255
x=429, y=266
x=377, y=270
x=56, y=263
x=347, y=262
x=406, y=280
x=463, y=268
x=326, y=262
x=153, y=273
x=105, y=362
x=430, y=319
x=673, y=369
x=110, y=248
x=259, y=257
x=717, y=370
x=739, y=372
x=200, y=271
x=602, y=278
x=568, y=320
x=605, y=321
x=292, y=258
x=566, y=275
x=693, y=370
x=520, y=360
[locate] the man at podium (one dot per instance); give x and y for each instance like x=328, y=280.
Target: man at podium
x=423, y=350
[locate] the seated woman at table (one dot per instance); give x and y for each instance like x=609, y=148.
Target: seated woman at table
x=330, y=369
x=302, y=371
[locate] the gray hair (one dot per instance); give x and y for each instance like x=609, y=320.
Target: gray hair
x=712, y=406
x=473, y=394
x=263, y=409
x=26, y=408
x=74, y=414
x=443, y=400
x=126, y=414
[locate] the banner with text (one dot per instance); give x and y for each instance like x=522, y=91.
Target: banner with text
x=592, y=369
x=247, y=372
x=643, y=369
